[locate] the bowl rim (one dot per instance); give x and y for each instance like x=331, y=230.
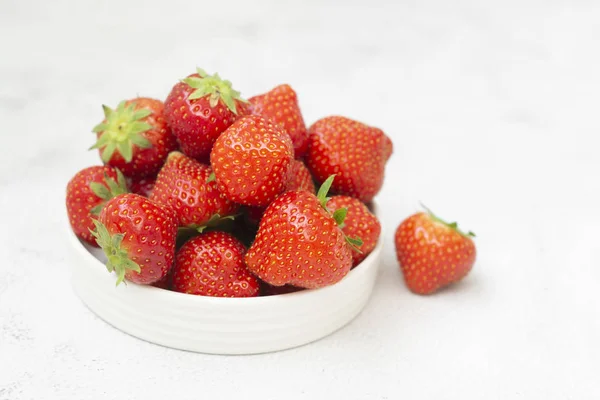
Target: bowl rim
x=170, y=295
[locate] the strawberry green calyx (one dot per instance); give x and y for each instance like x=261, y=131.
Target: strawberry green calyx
x=112, y=189
x=451, y=225
x=214, y=222
x=322, y=193
x=215, y=87
x=354, y=243
x=117, y=258
x=338, y=215
x=121, y=130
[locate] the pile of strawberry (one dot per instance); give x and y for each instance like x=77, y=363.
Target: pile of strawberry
x=214, y=195
x=210, y=194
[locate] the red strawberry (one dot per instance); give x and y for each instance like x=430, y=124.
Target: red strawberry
x=212, y=264
x=433, y=253
x=143, y=186
x=182, y=185
x=299, y=178
x=135, y=137
x=251, y=161
x=280, y=105
x=199, y=108
x=356, y=152
x=138, y=238
x=270, y=290
x=299, y=243
x=87, y=192
x=359, y=222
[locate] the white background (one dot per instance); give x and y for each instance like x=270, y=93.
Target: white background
x=493, y=110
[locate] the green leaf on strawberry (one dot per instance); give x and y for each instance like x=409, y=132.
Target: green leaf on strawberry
x=354, y=243
x=214, y=87
x=451, y=225
x=121, y=130
x=338, y=215
x=111, y=189
x=215, y=221
x=323, y=190
x=117, y=257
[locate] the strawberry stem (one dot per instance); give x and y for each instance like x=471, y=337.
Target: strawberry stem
x=451, y=225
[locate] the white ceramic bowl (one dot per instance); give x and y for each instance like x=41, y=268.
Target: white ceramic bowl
x=220, y=325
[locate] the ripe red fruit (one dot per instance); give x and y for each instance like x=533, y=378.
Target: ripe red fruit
x=299, y=243
x=199, y=109
x=212, y=264
x=299, y=178
x=251, y=161
x=359, y=222
x=356, y=152
x=182, y=185
x=134, y=137
x=432, y=253
x=280, y=105
x=143, y=186
x=138, y=238
x=87, y=192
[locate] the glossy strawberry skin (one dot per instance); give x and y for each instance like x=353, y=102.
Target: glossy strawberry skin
x=299, y=243
x=143, y=186
x=359, y=223
x=149, y=231
x=431, y=254
x=251, y=160
x=280, y=105
x=299, y=178
x=182, y=185
x=355, y=152
x=196, y=124
x=147, y=162
x=212, y=264
x=81, y=199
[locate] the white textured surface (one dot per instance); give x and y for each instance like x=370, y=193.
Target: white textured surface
x=493, y=109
